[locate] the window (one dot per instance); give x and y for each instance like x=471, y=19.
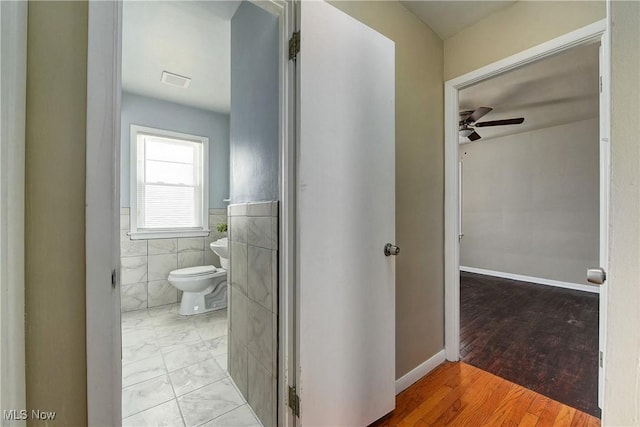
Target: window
x=169, y=184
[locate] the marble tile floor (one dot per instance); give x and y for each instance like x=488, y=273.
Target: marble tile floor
x=174, y=371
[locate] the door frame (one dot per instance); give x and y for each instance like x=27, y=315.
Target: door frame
x=13, y=81
x=104, y=369
x=102, y=242
x=597, y=31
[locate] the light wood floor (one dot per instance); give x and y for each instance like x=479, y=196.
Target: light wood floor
x=457, y=394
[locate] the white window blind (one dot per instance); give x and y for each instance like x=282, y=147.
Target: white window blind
x=171, y=173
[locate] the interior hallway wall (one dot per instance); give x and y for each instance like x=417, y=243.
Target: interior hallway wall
x=531, y=202
x=55, y=210
x=516, y=28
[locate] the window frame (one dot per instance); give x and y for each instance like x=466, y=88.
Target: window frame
x=137, y=233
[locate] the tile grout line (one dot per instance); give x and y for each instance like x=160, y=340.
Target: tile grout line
x=221, y=415
x=154, y=406
x=150, y=408
x=168, y=379
x=226, y=377
x=147, y=379
x=246, y=401
x=175, y=396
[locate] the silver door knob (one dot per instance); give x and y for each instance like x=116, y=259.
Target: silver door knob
x=390, y=249
x=596, y=275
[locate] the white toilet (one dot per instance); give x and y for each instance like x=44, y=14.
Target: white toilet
x=204, y=288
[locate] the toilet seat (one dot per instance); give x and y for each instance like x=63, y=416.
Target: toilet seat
x=202, y=272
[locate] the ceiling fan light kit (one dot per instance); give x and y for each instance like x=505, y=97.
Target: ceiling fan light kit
x=468, y=121
x=465, y=132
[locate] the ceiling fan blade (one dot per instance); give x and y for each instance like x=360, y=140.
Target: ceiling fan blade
x=500, y=122
x=477, y=113
x=474, y=136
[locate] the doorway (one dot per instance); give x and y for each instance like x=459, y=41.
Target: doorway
x=147, y=298
x=174, y=178
x=530, y=218
x=456, y=232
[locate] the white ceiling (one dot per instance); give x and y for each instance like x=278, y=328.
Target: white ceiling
x=557, y=90
x=192, y=39
x=188, y=38
x=447, y=18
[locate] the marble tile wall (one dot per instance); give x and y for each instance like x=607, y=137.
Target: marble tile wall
x=253, y=305
x=145, y=264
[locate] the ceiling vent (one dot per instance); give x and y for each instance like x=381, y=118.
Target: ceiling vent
x=175, y=80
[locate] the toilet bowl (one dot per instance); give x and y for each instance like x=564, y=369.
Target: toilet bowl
x=204, y=288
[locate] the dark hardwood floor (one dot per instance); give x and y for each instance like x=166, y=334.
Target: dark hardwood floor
x=541, y=337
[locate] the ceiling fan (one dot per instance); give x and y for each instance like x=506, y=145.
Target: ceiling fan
x=468, y=121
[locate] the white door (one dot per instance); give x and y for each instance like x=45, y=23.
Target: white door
x=346, y=215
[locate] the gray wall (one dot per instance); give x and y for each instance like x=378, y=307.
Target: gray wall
x=531, y=202
x=254, y=105
x=55, y=275
x=145, y=111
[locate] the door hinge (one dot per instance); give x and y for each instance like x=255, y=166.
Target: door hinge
x=600, y=84
x=601, y=359
x=294, y=401
x=294, y=45
x=114, y=278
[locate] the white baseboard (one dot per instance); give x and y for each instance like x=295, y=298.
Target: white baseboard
x=419, y=371
x=538, y=280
